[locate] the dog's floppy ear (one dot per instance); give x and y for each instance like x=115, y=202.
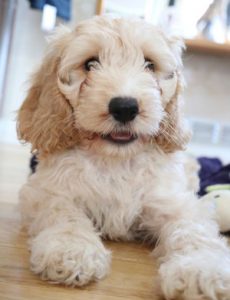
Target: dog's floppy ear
x=45, y=118
x=174, y=133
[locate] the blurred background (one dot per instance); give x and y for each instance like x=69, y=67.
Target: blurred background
x=205, y=25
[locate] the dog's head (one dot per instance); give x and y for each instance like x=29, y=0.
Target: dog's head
x=111, y=85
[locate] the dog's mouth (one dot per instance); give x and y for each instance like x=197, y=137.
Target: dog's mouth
x=121, y=138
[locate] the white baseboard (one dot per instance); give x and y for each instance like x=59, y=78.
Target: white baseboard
x=207, y=150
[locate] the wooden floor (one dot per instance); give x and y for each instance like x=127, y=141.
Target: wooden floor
x=132, y=267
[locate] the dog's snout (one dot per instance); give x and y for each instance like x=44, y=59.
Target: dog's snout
x=123, y=109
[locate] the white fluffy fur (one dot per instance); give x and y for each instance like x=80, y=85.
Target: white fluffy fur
x=98, y=190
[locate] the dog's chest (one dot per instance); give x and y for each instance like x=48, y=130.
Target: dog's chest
x=112, y=194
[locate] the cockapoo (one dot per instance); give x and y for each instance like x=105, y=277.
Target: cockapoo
x=104, y=115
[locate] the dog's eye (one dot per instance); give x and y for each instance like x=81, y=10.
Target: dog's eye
x=92, y=63
x=149, y=65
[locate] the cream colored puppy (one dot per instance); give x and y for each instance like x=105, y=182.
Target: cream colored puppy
x=103, y=112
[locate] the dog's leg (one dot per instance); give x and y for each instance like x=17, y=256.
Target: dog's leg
x=194, y=261
x=65, y=248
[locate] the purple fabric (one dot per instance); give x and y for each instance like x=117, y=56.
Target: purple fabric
x=212, y=172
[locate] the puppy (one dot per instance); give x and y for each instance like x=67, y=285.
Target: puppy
x=104, y=115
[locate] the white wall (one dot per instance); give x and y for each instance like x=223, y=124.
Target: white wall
x=208, y=87
x=26, y=51
x=83, y=9
x=28, y=47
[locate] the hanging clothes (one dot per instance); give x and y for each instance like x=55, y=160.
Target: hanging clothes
x=63, y=7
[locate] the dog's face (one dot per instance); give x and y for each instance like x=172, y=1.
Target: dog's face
x=112, y=85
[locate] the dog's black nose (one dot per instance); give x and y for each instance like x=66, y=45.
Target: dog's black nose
x=123, y=109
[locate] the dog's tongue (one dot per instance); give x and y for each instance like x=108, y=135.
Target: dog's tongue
x=121, y=136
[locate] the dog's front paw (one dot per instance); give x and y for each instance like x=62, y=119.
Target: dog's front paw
x=202, y=275
x=71, y=261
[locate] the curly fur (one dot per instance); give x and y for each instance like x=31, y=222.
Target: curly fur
x=87, y=188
